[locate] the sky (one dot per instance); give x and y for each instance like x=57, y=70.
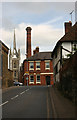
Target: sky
x=45, y=18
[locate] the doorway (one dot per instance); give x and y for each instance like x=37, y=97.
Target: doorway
x=48, y=80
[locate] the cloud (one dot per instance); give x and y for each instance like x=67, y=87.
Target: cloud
x=44, y=36
x=38, y=0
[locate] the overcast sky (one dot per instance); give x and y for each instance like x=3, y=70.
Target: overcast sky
x=45, y=18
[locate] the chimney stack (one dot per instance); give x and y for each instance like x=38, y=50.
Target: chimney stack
x=68, y=26
x=28, y=47
x=36, y=50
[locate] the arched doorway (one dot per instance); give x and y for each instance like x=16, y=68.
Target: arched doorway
x=48, y=80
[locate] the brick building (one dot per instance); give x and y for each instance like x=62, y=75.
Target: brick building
x=5, y=74
x=38, y=68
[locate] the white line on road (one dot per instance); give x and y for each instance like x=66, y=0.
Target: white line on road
x=14, y=97
x=4, y=103
x=27, y=89
x=22, y=92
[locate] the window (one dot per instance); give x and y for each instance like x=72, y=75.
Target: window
x=38, y=78
x=14, y=64
x=37, y=65
x=14, y=73
x=47, y=65
x=31, y=65
x=32, y=78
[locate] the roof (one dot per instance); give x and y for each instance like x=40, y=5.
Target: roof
x=41, y=56
x=4, y=44
x=71, y=36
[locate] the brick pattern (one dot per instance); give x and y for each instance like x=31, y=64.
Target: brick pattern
x=28, y=47
x=42, y=72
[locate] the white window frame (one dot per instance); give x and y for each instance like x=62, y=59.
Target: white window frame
x=30, y=79
x=36, y=66
x=49, y=65
x=36, y=79
x=30, y=67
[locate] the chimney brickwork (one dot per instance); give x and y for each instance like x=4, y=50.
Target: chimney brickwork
x=36, y=50
x=28, y=47
x=68, y=26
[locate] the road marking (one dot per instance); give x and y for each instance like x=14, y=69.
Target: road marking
x=22, y=92
x=14, y=97
x=4, y=103
x=27, y=89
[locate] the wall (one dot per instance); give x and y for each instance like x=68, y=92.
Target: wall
x=7, y=75
x=43, y=73
x=68, y=77
x=4, y=66
x=67, y=46
x=56, y=61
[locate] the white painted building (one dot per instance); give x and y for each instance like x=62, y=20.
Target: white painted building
x=66, y=46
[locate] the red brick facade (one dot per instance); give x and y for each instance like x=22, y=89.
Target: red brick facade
x=28, y=49
x=46, y=75
x=38, y=68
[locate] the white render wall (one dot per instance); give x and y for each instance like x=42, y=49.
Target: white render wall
x=67, y=46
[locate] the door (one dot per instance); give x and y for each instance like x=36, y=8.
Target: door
x=48, y=80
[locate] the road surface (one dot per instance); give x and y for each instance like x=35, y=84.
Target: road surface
x=26, y=102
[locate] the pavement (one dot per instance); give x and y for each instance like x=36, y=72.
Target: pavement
x=61, y=106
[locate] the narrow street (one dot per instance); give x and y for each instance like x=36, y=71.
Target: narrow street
x=26, y=102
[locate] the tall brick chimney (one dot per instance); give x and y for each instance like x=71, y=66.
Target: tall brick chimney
x=28, y=41
x=68, y=26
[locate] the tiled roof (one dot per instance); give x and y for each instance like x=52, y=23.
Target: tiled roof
x=41, y=56
x=71, y=36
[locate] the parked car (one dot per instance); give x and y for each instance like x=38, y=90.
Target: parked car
x=18, y=83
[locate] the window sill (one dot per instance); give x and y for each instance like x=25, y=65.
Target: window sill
x=37, y=68
x=47, y=68
x=31, y=69
x=31, y=82
x=38, y=82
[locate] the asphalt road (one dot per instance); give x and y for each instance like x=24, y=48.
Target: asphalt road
x=26, y=102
